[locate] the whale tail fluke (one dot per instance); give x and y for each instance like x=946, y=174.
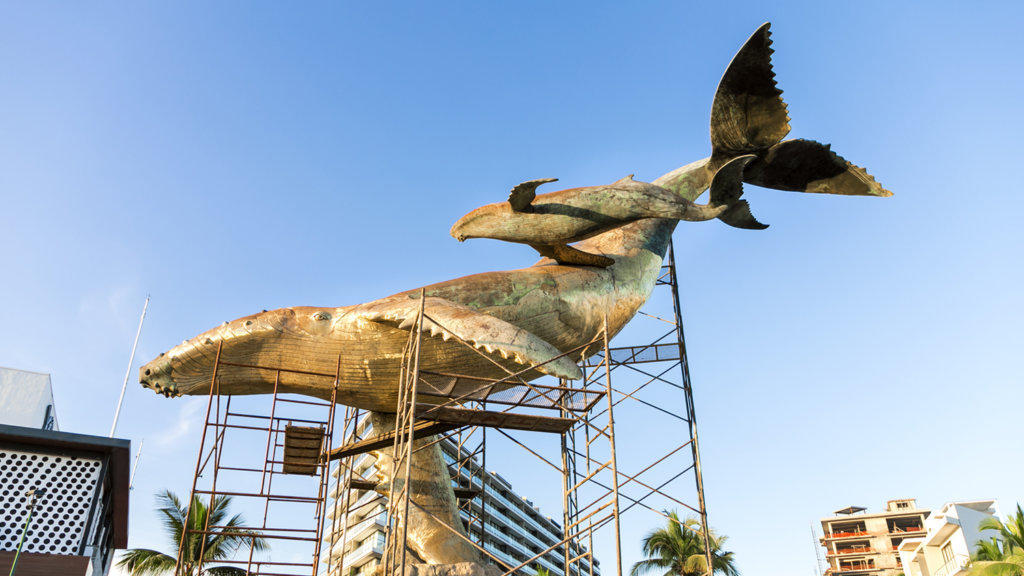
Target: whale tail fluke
x=809, y=166
x=726, y=190
x=748, y=114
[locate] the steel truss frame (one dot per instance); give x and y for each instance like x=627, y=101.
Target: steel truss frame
x=236, y=480
x=589, y=452
x=593, y=496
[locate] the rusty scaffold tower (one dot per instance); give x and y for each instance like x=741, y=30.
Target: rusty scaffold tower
x=628, y=444
x=264, y=453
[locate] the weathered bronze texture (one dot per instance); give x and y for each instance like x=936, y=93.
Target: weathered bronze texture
x=435, y=514
x=550, y=222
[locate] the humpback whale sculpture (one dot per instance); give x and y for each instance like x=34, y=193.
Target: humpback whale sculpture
x=517, y=318
x=549, y=222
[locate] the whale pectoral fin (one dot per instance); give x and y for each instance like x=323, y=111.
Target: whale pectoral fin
x=445, y=318
x=565, y=254
x=523, y=194
x=809, y=166
x=748, y=113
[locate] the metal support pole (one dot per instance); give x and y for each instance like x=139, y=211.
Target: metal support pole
x=611, y=442
x=182, y=562
x=33, y=495
x=128, y=374
x=691, y=416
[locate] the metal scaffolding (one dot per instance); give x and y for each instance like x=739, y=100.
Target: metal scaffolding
x=628, y=387
x=597, y=490
x=283, y=484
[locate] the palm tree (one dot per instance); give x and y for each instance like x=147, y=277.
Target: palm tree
x=1011, y=532
x=1011, y=564
x=679, y=550
x=988, y=550
x=219, y=545
x=1003, y=555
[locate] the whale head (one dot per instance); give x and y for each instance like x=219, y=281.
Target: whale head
x=484, y=222
x=264, y=339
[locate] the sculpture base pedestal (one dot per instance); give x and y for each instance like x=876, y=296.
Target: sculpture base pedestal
x=460, y=569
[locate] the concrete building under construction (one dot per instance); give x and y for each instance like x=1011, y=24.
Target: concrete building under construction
x=857, y=542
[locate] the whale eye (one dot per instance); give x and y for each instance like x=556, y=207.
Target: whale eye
x=321, y=316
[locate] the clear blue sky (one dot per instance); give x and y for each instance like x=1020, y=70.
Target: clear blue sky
x=239, y=156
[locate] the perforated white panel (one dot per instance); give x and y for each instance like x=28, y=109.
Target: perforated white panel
x=60, y=516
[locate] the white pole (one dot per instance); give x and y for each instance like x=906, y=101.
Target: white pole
x=131, y=479
x=128, y=374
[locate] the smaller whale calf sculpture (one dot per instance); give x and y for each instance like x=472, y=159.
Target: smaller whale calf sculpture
x=550, y=222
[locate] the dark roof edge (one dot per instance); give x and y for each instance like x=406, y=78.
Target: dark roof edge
x=26, y=435
x=118, y=448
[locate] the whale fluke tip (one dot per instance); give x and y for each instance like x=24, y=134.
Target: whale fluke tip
x=808, y=166
x=748, y=113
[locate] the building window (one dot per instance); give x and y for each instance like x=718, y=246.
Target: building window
x=947, y=553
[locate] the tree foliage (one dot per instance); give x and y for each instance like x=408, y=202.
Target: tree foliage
x=1002, y=555
x=678, y=549
x=221, y=544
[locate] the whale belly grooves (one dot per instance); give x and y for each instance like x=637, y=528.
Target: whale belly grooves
x=562, y=306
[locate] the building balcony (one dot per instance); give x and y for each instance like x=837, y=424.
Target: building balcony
x=857, y=550
x=954, y=566
x=853, y=534
x=376, y=522
x=906, y=529
x=363, y=554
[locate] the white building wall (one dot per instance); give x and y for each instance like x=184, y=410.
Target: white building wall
x=954, y=526
x=25, y=398
x=970, y=515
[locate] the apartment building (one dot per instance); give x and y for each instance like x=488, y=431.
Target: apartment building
x=860, y=543
x=66, y=493
x=515, y=529
x=950, y=538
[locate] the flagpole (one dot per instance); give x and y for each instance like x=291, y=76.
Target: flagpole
x=128, y=374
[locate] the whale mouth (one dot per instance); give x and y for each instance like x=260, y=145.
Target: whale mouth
x=236, y=357
x=156, y=376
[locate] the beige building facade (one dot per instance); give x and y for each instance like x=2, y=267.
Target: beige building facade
x=858, y=543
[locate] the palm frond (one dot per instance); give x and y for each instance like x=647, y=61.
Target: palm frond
x=224, y=571
x=1013, y=565
x=223, y=541
x=144, y=562
x=679, y=546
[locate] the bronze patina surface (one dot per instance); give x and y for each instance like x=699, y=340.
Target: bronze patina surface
x=549, y=222
x=523, y=317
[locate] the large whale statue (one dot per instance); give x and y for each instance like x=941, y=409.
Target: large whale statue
x=515, y=319
x=518, y=317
